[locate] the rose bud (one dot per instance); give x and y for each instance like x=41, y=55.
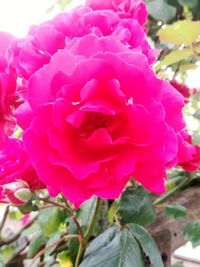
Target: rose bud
x=17, y=193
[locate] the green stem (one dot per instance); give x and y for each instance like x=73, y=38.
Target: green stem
x=81, y=251
x=174, y=190
x=84, y=241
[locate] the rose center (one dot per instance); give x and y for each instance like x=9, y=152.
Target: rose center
x=92, y=122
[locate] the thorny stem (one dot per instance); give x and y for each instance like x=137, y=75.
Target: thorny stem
x=60, y=205
x=174, y=190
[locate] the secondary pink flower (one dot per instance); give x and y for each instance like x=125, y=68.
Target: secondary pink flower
x=183, y=89
x=126, y=8
x=16, y=193
x=16, y=171
x=101, y=117
x=189, y=155
x=33, y=52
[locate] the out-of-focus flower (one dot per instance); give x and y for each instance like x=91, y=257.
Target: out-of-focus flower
x=189, y=155
x=184, y=90
x=25, y=219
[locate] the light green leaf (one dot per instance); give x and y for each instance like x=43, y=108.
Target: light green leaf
x=54, y=238
x=173, y=57
x=175, y=210
x=49, y=220
x=181, y=32
x=178, y=264
x=36, y=244
x=189, y=3
x=160, y=10
x=192, y=232
x=147, y=243
x=136, y=206
x=113, y=248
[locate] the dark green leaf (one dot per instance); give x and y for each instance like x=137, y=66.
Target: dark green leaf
x=192, y=232
x=49, y=220
x=175, y=210
x=36, y=244
x=160, y=10
x=113, y=248
x=86, y=212
x=147, y=243
x=73, y=243
x=136, y=206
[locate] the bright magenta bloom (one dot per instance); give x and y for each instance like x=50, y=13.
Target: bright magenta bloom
x=16, y=172
x=33, y=52
x=7, y=90
x=96, y=115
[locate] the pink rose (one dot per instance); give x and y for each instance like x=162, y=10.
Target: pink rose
x=33, y=52
x=102, y=116
x=16, y=171
x=126, y=8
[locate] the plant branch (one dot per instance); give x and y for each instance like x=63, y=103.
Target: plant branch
x=4, y=218
x=18, y=234
x=174, y=190
x=64, y=238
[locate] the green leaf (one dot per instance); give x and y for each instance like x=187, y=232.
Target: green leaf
x=86, y=212
x=113, y=248
x=49, y=220
x=36, y=244
x=189, y=3
x=54, y=238
x=173, y=57
x=6, y=252
x=160, y=10
x=136, y=206
x=181, y=32
x=175, y=210
x=192, y=232
x=147, y=243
